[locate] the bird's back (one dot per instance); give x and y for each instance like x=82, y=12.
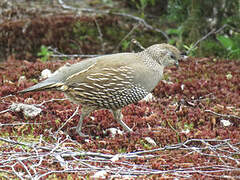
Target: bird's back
x=110, y=81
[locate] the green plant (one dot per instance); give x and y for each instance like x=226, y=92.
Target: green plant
x=196, y=19
x=232, y=45
x=125, y=45
x=176, y=35
x=35, y=80
x=44, y=53
x=209, y=47
x=188, y=126
x=177, y=11
x=108, y=3
x=191, y=50
x=145, y=144
x=122, y=150
x=142, y=4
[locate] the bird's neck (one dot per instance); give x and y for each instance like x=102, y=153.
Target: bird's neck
x=150, y=62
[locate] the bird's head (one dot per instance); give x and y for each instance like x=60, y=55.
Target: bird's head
x=164, y=54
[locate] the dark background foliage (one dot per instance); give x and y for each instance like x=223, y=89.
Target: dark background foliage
x=27, y=25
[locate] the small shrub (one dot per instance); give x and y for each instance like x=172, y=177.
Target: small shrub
x=231, y=44
x=44, y=53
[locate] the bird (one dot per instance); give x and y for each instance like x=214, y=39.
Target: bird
x=111, y=81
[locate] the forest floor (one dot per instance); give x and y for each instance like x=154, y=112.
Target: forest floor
x=189, y=129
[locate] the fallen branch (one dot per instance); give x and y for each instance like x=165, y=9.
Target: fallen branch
x=222, y=115
x=33, y=162
x=213, y=31
x=125, y=37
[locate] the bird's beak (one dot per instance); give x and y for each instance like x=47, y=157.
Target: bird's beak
x=177, y=63
x=183, y=55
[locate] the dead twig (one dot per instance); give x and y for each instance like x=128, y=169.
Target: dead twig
x=134, y=41
x=32, y=164
x=100, y=35
x=57, y=54
x=222, y=115
x=19, y=124
x=75, y=112
x=213, y=31
x=125, y=37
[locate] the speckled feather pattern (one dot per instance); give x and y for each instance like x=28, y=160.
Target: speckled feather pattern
x=111, y=89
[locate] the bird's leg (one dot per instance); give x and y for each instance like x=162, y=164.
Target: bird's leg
x=85, y=112
x=118, y=116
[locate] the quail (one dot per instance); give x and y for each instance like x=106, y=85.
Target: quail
x=111, y=81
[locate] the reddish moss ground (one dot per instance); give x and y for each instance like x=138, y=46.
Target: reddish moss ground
x=209, y=84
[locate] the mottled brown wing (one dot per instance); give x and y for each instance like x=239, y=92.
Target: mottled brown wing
x=105, y=86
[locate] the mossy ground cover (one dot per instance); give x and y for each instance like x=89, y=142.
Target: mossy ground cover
x=179, y=113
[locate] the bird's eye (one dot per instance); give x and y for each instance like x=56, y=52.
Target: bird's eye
x=173, y=56
x=183, y=54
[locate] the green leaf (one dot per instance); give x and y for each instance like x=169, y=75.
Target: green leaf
x=125, y=45
x=186, y=47
x=226, y=42
x=173, y=31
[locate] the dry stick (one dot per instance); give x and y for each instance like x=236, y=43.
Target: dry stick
x=180, y=146
x=222, y=115
x=10, y=95
x=134, y=41
x=127, y=35
x=4, y=111
x=131, y=155
x=75, y=112
x=23, y=144
x=138, y=19
x=208, y=34
x=75, y=55
x=133, y=169
x=142, y=21
x=19, y=124
x=15, y=172
x=64, y=153
x=56, y=53
x=100, y=35
x=51, y=100
x=25, y=167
